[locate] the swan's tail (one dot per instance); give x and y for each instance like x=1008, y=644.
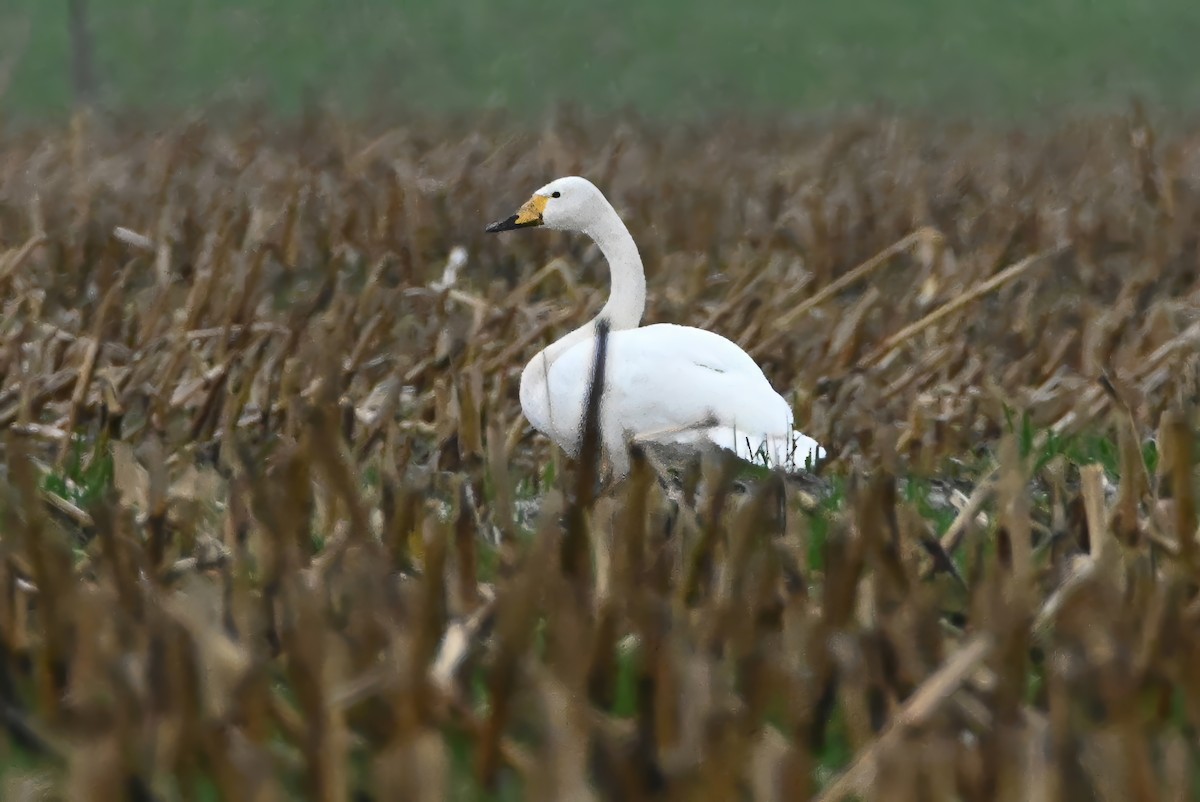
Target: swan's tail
x=795, y=452
x=805, y=452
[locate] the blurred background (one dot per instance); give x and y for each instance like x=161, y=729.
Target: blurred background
x=665, y=59
x=274, y=523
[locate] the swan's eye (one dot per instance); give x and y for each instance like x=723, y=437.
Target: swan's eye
x=556, y=194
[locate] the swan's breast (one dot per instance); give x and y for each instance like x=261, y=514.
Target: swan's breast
x=548, y=402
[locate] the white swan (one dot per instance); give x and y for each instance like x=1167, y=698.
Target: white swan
x=663, y=383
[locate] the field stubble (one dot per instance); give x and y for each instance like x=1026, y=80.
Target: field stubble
x=273, y=526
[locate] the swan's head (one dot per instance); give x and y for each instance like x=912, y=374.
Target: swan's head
x=567, y=204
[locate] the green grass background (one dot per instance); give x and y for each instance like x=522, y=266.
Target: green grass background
x=661, y=57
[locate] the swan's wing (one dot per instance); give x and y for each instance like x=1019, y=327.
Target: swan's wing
x=696, y=369
x=678, y=384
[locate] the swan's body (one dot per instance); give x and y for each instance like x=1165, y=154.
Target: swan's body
x=663, y=383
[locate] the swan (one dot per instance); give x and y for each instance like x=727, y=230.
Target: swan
x=663, y=383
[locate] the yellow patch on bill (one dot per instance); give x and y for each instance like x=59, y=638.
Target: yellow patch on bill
x=532, y=210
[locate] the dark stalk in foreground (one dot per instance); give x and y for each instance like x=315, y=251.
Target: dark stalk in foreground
x=574, y=547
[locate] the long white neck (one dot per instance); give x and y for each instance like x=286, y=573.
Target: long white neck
x=627, y=296
x=623, y=310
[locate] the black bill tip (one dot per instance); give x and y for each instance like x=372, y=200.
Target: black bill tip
x=513, y=223
x=502, y=225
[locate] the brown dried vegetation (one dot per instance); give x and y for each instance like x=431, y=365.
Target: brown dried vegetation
x=314, y=573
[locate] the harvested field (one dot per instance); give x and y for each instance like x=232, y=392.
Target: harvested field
x=274, y=528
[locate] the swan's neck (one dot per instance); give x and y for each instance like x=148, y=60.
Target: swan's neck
x=626, y=299
x=627, y=296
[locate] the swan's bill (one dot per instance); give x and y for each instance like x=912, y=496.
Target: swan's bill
x=530, y=214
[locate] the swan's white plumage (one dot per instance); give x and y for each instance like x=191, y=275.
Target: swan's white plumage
x=670, y=384
x=663, y=382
